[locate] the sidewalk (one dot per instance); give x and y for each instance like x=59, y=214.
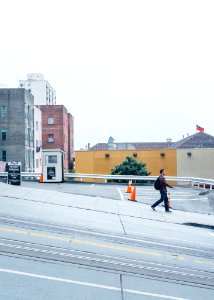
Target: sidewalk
x=94, y=208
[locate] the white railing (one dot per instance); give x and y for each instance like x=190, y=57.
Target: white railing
x=190, y=180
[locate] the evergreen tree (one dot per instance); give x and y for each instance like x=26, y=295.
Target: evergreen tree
x=130, y=167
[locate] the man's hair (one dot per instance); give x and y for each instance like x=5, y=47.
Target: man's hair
x=161, y=171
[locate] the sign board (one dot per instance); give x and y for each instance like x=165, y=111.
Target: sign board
x=51, y=173
x=14, y=172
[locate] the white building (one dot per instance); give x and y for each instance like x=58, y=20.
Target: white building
x=42, y=91
x=38, y=139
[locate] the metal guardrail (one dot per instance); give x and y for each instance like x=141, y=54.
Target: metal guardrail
x=191, y=180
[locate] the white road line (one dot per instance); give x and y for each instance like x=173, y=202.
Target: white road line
x=121, y=194
x=92, y=185
x=107, y=287
x=175, y=199
x=153, y=295
x=212, y=234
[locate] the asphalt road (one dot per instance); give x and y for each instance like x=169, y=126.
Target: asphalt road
x=45, y=256
x=41, y=264
x=182, y=198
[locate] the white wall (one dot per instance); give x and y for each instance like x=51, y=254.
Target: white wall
x=38, y=139
x=42, y=91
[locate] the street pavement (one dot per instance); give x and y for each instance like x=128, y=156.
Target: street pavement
x=107, y=206
x=58, y=244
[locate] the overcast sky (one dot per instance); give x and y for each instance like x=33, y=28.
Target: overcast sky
x=135, y=70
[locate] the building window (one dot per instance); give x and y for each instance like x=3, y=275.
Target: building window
x=51, y=138
x=37, y=163
x=37, y=146
x=3, y=111
x=3, y=135
x=26, y=112
x=3, y=155
x=29, y=136
x=32, y=136
x=50, y=120
x=26, y=134
x=29, y=158
x=37, y=125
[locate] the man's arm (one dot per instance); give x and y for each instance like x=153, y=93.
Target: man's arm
x=164, y=183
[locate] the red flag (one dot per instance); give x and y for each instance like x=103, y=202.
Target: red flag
x=199, y=128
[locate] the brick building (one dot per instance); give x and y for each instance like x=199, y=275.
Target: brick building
x=57, y=131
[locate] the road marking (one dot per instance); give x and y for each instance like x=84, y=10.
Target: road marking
x=153, y=295
x=84, y=283
x=35, y=234
x=127, y=249
x=193, y=199
x=110, y=235
x=212, y=234
x=99, y=245
x=92, y=185
x=105, y=259
x=199, y=261
x=121, y=194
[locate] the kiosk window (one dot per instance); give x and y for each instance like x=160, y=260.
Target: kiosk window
x=51, y=159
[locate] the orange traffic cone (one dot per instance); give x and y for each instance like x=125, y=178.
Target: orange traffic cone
x=129, y=188
x=169, y=204
x=41, y=178
x=133, y=195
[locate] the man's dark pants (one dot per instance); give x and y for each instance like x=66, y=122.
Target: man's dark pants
x=163, y=198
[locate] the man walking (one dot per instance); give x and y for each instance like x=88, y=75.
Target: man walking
x=163, y=191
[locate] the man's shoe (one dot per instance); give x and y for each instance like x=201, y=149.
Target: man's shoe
x=153, y=208
x=168, y=211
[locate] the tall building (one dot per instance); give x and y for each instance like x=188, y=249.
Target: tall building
x=17, y=127
x=57, y=131
x=42, y=91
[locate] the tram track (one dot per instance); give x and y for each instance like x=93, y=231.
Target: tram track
x=171, y=246
x=28, y=250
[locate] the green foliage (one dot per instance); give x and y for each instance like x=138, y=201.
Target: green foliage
x=130, y=167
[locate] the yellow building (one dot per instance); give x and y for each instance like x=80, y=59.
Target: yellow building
x=192, y=156
x=102, y=161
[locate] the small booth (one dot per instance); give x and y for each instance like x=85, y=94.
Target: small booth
x=53, y=165
x=14, y=170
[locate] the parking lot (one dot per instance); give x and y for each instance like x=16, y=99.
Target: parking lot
x=183, y=198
